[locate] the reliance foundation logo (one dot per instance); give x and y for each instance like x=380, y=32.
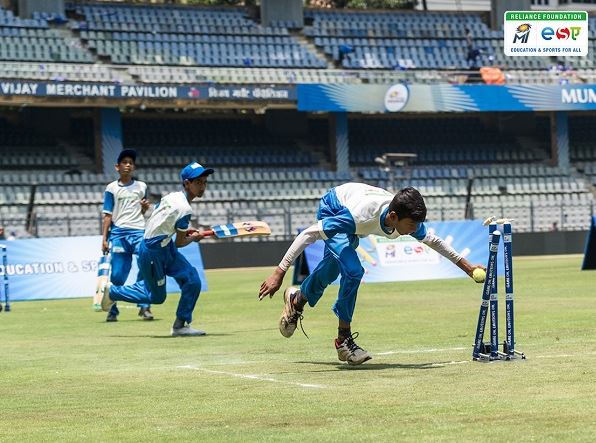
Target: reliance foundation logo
x=396, y=97
x=545, y=33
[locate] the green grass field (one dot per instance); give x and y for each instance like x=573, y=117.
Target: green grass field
x=66, y=375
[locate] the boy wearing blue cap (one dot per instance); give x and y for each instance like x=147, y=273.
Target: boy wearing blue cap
x=125, y=203
x=159, y=256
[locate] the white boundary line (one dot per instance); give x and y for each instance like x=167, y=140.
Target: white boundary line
x=253, y=377
x=420, y=351
x=318, y=386
x=565, y=355
x=447, y=363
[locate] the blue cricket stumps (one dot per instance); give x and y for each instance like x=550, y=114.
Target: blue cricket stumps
x=490, y=299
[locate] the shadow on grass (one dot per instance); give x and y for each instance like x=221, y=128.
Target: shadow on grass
x=255, y=330
x=200, y=337
x=368, y=366
x=133, y=320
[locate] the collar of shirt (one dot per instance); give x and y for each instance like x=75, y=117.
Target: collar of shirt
x=125, y=185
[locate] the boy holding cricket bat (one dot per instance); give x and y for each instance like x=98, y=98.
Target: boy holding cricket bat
x=124, y=205
x=345, y=213
x=167, y=230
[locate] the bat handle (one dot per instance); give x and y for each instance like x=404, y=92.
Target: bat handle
x=207, y=233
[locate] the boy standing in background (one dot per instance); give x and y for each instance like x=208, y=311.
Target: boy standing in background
x=124, y=205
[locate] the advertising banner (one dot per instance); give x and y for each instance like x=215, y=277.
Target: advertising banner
x=590, y=251
x=405, y=258
x=545, y=33
x=66, y=267
x=192, y=92
x=445, y=98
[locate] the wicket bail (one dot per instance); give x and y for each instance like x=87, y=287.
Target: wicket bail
x=482, y=351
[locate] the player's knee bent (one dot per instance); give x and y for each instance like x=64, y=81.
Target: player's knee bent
x=118, y=278
x=191, y=282
x=158, y=297
x=194, y=282
x=157, y=291
x=354, y=274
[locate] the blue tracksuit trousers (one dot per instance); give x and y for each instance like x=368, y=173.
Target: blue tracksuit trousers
x=155, y=263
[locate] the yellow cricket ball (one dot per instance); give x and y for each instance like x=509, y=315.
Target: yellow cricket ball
x=479, y=275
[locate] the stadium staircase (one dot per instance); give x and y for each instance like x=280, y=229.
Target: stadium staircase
x=314, y=49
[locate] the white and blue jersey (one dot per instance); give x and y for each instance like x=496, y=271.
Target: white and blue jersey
x=123, y=202
x=358, y=209
x=173, y=213
x=159, y=257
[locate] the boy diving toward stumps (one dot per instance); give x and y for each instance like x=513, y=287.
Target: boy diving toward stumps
x=345, y=213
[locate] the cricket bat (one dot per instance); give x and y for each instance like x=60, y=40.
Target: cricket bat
x=236, y=229
x=103, y=276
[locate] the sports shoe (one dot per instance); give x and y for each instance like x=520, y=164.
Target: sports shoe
x=290, y=315
x=111, y=317
x=145, y=314
x=106, y=301
x=349, y=351
x=187, y=331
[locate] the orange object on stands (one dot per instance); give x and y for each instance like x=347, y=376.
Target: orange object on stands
x=492, y=76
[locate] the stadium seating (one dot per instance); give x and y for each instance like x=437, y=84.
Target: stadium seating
x=426, y=137
x=581, y=140
x=240, y=75
x=280, y=179
x=185, y=36
x=214, y=142
x=404, y=40
x=286, y=195
x=59, y=72
x=122, y=43
x=32, y=40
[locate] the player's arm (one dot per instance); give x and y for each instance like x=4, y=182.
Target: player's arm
x=108, y=207
x=302, y=240
x=183, y=237
x=145, y=204
x=105, y=231
x=439, y=245
x=468, y=267
x=324, y=229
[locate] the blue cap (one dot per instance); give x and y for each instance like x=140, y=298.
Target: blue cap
x=127, y=153
x=194, y=170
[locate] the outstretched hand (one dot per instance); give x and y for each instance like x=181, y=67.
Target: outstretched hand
x=478, y=273
x=272, y=284
x=476, y=267
x=468, y=267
